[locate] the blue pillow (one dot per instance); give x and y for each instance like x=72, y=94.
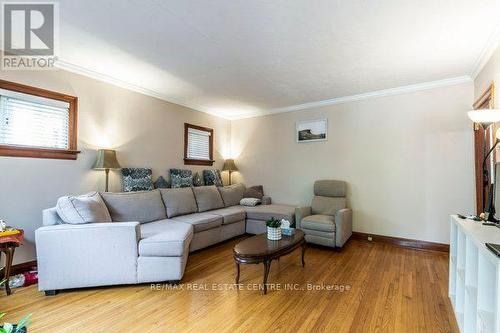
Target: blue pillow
x=212, y=177
x=197, y=180
x=137, y=179
x=161, y=183
x=181, y=178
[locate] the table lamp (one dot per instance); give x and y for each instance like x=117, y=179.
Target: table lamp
x=106, y=159
x=229, y=166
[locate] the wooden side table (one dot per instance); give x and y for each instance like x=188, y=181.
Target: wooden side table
x=8, y=246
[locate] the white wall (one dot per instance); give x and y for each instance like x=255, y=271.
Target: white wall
x=489, y=74
x=408, y=159
x=145, y=131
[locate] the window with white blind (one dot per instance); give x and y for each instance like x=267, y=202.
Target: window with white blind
x=36, y=122
x=198, y=145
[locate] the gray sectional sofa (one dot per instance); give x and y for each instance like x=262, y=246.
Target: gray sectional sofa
x=149, y=238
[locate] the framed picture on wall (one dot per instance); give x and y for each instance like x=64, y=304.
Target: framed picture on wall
x=311, y=130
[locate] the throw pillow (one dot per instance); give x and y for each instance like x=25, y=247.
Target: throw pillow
x=197, y=180
x=249, y=202
x=161, y=183
x=256, y=192
x=137, y=179
x=232, y=194
x=181, y=178
x=207, y=198
x=87, y=208
x=212, y=177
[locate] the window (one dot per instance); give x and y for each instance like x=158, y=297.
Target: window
x=36, y=122
x=198, y=145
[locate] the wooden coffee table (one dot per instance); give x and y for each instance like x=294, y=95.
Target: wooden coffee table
x=258, y=249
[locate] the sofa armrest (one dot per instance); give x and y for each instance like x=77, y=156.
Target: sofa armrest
x=300, y=213
x=343, y=226
x=266, y=200
x=82, y=255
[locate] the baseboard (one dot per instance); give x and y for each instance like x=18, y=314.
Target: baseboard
x=403, y=242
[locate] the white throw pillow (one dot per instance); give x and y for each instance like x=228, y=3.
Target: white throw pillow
x=250, y=201
x=86, y=208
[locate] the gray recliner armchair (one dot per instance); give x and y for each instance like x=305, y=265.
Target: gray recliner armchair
x=328, y=221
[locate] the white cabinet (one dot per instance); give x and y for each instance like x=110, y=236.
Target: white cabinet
x=474, y=280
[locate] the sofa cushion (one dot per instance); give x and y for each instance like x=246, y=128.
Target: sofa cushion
x=207, y=198
x=230, y=214
x=179, y=201
x=327, y=205
x=164, y=238
x=318, y=222
x=265, y=212
x=142, y=207
x=201, y=221
x=87, y=208
x=232, y=194
x=137, y=179
x=181, y=178
x=330, y=188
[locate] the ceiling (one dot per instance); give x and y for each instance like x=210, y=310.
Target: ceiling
x=240, y=58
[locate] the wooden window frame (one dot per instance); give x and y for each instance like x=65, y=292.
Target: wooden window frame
x=65, y=154
x=190, y=161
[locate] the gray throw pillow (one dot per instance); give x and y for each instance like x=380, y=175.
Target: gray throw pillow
x=87, y=208
x=207, y=198
x=197, y=180
x=250, y=202
x=181, y=178
x=178, y=201
x=137, y=179
x=256, y=192
x=212, y=177
x=232, y=194
x=161, y=183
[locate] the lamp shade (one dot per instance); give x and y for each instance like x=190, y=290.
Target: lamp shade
x=106, y=159
x=484, y=117
x=229, y=165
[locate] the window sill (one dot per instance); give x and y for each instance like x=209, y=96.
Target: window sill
x=38, y=152
x=188, y=161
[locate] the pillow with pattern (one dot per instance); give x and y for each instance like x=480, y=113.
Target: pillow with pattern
x=181, y=178
x=212, y=177
x=161, y=183
x=197, y=180
x=137, y=179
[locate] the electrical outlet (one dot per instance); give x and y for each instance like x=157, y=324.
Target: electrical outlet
x=370, y=238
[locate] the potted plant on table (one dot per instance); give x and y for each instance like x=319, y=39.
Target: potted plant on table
x=273, y=229
x=20, y=327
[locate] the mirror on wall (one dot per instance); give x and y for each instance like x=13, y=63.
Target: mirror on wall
x=484, y=177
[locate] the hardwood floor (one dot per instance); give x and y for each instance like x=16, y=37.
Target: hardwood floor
x=387, y=289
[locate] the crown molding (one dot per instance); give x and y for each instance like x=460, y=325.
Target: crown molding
x=67, y=66
x=338, y=100
x=372, y=94
x=486, y=53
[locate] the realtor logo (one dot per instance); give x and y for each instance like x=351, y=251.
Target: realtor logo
x=29, y=32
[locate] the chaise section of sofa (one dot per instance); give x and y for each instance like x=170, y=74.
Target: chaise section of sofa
x=149, y=238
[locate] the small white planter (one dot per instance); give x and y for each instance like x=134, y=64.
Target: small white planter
x=273, y=233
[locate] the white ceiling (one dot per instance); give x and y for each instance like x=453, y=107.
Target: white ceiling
x=239, y=58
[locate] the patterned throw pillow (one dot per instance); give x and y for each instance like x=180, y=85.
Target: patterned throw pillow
x=212, y=177
x=250, y=202
x=137, y=179
x=197, y=180
x=181, y=178
x=161, y=183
